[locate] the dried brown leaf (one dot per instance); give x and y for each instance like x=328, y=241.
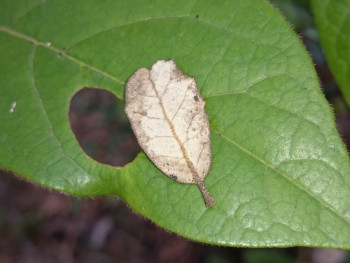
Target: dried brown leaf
x=168, y=118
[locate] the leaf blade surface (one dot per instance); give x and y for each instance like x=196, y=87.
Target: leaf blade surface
x=279, y=172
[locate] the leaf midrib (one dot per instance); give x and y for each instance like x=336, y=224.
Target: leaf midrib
x=273, y=168
x=59, y=51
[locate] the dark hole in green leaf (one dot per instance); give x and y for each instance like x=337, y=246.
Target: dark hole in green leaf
x=101, y=127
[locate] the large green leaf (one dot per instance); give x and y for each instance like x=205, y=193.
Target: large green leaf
x=280, y=173
x=333, y=23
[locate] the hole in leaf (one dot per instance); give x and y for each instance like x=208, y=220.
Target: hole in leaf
x=101, y=127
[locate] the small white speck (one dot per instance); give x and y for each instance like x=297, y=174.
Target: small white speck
x=13, y=106
x=48, y=44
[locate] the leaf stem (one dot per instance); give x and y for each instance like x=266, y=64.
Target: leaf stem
x=208, y=199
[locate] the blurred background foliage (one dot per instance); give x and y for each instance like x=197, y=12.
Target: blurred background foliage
x=38, y=225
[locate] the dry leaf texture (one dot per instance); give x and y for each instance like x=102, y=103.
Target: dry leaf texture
x=168, y=118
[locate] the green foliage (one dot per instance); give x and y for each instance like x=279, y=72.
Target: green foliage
x=333, y=24
x=280, y=172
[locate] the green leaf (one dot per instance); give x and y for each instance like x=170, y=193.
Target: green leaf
x=333, y=24
x=280, y=172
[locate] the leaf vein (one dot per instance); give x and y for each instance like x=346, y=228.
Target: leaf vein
x=270, y=166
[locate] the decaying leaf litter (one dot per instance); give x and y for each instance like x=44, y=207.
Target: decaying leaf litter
x=167, y=115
